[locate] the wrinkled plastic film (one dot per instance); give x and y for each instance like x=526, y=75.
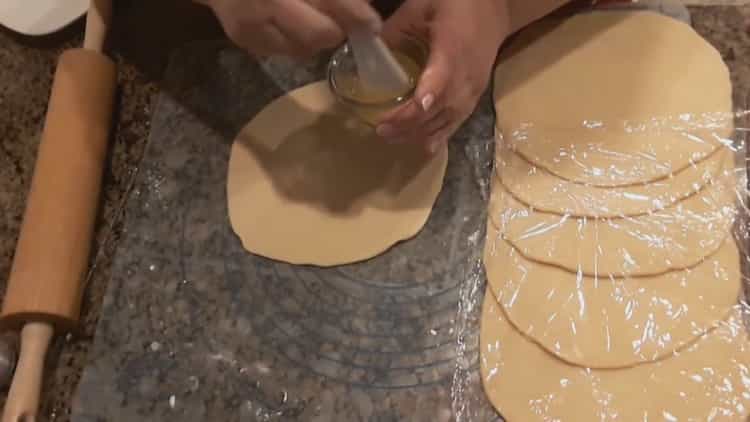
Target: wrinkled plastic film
x=579, y=308
x=616, y=260
x=417, y=333
x=226, y=334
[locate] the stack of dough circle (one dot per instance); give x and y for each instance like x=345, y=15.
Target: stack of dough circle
x=705, y=381
x=676, y=237
x=610, y=322
x=613, y=98
x=613, y=275
x=308, y=184
x=525, y=180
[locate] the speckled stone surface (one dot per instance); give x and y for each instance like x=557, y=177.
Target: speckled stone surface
x=196, y=328
x=27, y=67
x=25, y=81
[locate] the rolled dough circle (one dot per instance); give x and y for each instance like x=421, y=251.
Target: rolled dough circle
x=610, y=322
x=613, y=98
x=546, y=192
x=673, y=238
x=525, y=383
x=308, y=184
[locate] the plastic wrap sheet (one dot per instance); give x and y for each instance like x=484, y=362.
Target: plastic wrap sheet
x=195, y=328
x=615, y=262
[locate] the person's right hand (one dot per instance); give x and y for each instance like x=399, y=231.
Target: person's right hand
x=297, y=28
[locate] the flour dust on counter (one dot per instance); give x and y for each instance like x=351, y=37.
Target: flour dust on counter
x=270, y=340
x=194, y=328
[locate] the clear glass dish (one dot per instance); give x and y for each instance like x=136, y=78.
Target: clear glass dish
x=343, y=81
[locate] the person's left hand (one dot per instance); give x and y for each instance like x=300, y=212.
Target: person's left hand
x=464, y=38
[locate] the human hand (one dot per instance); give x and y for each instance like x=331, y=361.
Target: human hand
x=464, y=38
x=297, y=28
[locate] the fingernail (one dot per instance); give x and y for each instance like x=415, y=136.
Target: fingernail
x=385, y=130
x=427, y=101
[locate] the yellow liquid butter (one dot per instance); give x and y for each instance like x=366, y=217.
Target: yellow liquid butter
x=370, y=105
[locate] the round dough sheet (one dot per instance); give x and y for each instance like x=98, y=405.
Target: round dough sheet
x=611, y=322
x=308, y=184
x=613, y=98
x=674, y=238
x=708, y=380
x=546, y=192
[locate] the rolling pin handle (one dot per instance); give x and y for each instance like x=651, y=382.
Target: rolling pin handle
x=22, y=403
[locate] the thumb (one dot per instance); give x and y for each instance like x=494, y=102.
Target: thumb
x=417, y=17
x=433, y=83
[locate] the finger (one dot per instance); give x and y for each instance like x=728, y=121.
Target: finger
x=435, y=78
x=240, y=11
x=440, y=138
x=411, y=20
x=422, y=132
x=436, y=124
x=306, y=26
x=409, y=13
x=442, y=62
x=442, y=131
x=404, y=119
x=248, y=29
x=263, y=41
x=432, y=88
x=353, y=14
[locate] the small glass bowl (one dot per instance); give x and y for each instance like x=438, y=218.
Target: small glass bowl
x=342, y=65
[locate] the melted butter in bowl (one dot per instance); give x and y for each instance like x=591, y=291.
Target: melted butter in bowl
x=368, y=104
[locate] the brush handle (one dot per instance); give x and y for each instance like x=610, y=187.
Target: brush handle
x=378, y=69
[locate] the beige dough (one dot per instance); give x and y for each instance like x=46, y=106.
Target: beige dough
x=706, y=381
x=613, y=98
x=611, y=322
x=544, y=191
x=308, y=184
x=674, y=238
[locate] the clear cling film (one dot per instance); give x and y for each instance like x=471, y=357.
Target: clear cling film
x=615, y=252
x=585, y=260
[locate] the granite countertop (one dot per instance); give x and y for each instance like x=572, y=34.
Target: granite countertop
x=28, y=65
x=25, y=81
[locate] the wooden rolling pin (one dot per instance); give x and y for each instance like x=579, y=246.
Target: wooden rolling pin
x=52, y=254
